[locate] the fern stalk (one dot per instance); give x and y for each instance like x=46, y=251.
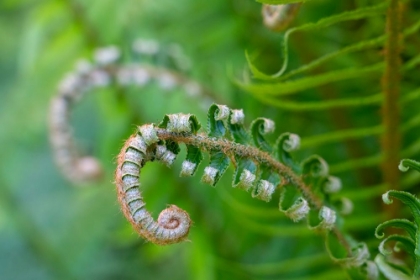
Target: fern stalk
x=391, y=138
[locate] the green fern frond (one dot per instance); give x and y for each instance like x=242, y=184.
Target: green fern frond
x=260, y=168
x=410, y=243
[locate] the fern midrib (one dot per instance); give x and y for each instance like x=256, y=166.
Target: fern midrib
x=391, y=138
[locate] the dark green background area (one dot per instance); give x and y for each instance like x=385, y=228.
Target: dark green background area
x=50, y=229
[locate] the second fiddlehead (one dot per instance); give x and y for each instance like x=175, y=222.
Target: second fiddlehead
x=106, y=70
x=409, y=237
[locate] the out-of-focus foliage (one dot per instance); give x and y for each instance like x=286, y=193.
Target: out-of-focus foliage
x=51, y=230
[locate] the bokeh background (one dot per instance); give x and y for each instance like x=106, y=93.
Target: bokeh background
x=51, y=229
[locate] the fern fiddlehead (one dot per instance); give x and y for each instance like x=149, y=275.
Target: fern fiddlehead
x=410, y=242
x=106, y=70
x=259, y=168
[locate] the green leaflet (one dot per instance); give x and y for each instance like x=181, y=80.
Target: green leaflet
x=406, y=164
x=173, y=147
x=267, y=184
x=356, y=163
x=375, y=99
x=314, y=167
x=216, y=118
x=286, y=143
x=337, y=136
x=411, y=63
x=408, y=226
x=359, y=46
x=360, y=253
x=244, y=176
x=193, y=159
x=409, y=243
x=219, y=161
x=343, y=205
x=259, y=128
x=314, y=172
x=182, y=123
x=292, y=204
x=325, y=22
x=406, y=242
x=322, y=220
x=408, y=199
x=296, y=86
x=389, y=271
x=411, y=96
x=236, y=127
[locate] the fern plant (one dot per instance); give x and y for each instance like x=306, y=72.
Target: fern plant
x=408, y=241
x=331, y=93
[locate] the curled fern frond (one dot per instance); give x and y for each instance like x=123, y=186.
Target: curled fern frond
x=357, y=263
x=259, y=168
x=344, y=205
x=390, y=271
x=406, y=242
x=404, y=224
x=409, y=243
x=106, y=70
x=406, y=164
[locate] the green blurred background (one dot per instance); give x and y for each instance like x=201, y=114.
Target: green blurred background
x=50, y=229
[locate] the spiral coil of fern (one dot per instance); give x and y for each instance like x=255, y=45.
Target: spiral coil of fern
x=409, y=241
x=80, y=169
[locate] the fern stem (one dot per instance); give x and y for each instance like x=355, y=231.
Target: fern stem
x=231, y=148
x=391, y=138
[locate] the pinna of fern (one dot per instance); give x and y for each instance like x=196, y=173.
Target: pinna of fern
x=260, y=168
x=408, y=242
